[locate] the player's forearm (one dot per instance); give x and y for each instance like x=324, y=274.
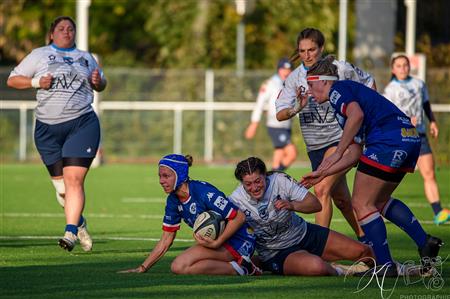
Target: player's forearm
x=159, y=250
x=287, y=113
x=428, y=111
x=351, y=128
x=19, y=82
x=310, y=204
x=349, y=159
x=231, y=228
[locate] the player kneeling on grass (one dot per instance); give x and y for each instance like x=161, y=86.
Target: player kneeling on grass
x=229, y=254
x=285, y=242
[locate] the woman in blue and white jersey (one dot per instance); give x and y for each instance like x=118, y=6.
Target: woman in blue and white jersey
x=229, y=254
x=411, y=96
x=391, y=148
x=67, y=131
x=320, y=130
x=285, y=242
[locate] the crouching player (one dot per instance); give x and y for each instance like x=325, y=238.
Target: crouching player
x=229, y=254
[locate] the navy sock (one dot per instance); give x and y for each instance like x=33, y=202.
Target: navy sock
x=436, y=206
x=363, y=240
x=375, y=231
x=80, y=222
x=399, y=214
x=72, y=228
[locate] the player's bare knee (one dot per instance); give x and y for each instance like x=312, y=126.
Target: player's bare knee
x=322, y=193
x=178, y=267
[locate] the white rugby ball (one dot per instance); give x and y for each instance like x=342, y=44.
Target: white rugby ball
x=209, y=224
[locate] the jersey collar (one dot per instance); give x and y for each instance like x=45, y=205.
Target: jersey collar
x=403, y=81
x=63, y=49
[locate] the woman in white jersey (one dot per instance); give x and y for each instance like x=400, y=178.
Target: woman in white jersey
x=411, y=96
x=285, y=242
x=285, y=152
x=320, y=130
x=67, y=132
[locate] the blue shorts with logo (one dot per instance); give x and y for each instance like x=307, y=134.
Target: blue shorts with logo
x=77, y=138
x=316, y=156
x=395, y=151
x=425, y=147
x=314, y=242
x=280, y=136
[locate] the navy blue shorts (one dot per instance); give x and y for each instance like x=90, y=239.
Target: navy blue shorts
x=316, y=157
x=425, y=147
x=77, y=138
x=314, y=242
x=280, y=136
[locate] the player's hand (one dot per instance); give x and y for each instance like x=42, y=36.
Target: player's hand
x=414, y=120
x=45, y=82
x=139, y=269
x=329, y=161
x=96, y=79
x=206, y=242
x=312, y=178
x=251, y=130
x=283, y=204
x=434, y=130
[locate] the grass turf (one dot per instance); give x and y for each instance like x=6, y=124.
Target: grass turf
x=124, y=209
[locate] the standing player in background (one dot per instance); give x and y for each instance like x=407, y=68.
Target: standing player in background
x=320, y=130
x=284, y=153
x=384, y=143
x=411, y=96
x=229, y=254
x=67, y=131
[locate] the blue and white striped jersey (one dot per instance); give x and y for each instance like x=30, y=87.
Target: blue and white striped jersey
x=71, y=94
x=274, y=229
x=317, y=122
x=409, y=96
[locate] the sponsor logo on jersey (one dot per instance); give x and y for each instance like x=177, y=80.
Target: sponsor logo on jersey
x=83, y=62
x=220, y=202
x=334, y=97
x=398, y=158
x=247, y=213
x=180, y=208
x=193, y=208
x=409, y=132
x=263, y=213
x=315, y=116
x=51, y=57
x=68, y=60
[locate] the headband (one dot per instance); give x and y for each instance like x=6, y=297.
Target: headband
x=321, y=77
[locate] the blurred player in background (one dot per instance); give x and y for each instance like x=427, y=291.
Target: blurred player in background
x=320, y=129
x=411, y=96
x=229, y=254
x=286, y=243
x=284, y=153
x=391, y=148
x=67, y=131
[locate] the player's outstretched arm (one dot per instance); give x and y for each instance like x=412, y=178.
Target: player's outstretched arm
x=158, y=252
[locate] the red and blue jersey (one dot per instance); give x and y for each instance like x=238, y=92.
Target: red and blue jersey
x=391, y=141
x=205, y=197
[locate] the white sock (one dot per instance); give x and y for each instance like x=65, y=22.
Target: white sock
x=237, y=268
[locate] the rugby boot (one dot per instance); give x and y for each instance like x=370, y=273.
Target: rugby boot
x=68, y=241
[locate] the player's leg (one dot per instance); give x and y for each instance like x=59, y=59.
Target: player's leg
x=306, y=264
x=340, y=247
x=80, y=147
x=201, y=260
x=277, y=158
x=342, y=199
x=427, y=170
x=289, y=155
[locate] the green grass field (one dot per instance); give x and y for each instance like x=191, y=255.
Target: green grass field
x=124, y=210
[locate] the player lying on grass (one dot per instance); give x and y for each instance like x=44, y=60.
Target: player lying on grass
x=285, y=242
x=229, y=254
x=391, y=148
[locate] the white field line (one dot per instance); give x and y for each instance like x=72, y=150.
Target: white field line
x=131, y=216
x=96, y=238
x=143, y=200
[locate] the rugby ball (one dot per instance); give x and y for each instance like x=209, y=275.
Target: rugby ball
x=209, y=224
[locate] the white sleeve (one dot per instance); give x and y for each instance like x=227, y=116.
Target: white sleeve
x=295, y=191
x=348, y=71
x=94, y=65
x=287, y=97
x=28, y=66
x=261, y=101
